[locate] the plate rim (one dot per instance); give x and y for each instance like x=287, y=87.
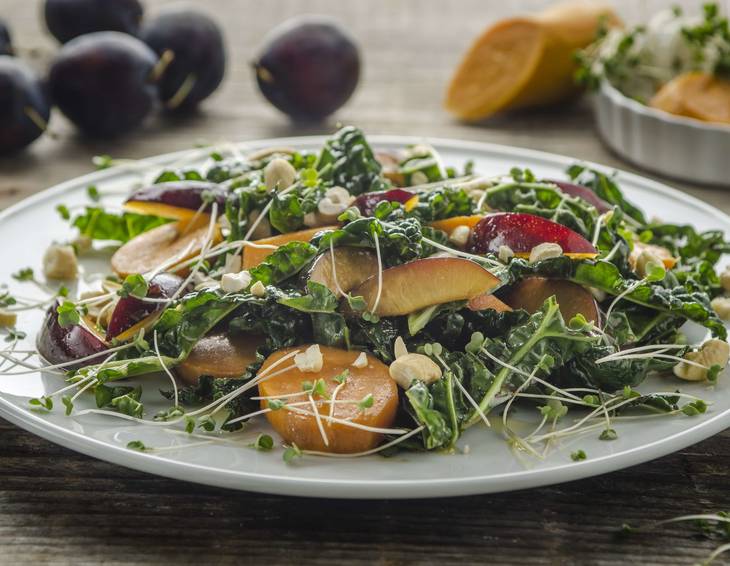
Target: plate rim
x=340, y=488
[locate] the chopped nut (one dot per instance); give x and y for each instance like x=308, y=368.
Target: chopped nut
x=232, y=264
x=235, y=282
x=279, y=174
x=418, y=178
x=82, y=244
x=310, y=360
x=258, y=289
x=725, y=279
x=721, y=305
x=313, y=219
x=399, y=348
x=7, y=318
x=460, y=235
x=361, y=361
x=505, y=253
x=405, y=369
x=335, y=202
x=59, y=262
x=645, y=258
x=712, y=353
x=545, y=251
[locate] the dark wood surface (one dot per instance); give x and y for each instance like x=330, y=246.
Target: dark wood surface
x=59, y=507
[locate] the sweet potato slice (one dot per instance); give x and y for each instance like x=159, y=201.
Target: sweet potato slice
x=252, y=256
x=524, y=62
x=373, y=379
x=695, y=95
x=220, y=356
x=159, y=245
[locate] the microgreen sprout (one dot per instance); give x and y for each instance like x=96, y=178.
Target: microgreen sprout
x=137, y=445
x=263, y=443
x=608, y=434
x=134, y=285
x=578, y=456
x=291, y=453
x=366, y=402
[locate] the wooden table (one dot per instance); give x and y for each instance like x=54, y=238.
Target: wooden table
x=59, y=507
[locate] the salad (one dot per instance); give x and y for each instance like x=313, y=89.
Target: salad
x=678, y=62
x=365, y=302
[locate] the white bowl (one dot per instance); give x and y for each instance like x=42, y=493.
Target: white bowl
x=673, y=146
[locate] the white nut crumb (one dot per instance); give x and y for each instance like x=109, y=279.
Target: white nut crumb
x=712, y=353
x=59, y=262
x=235, y=282
x=545, y=251
x=460, y=235
x=7, y=318
x=418, y=178
x=505, y=254
x=646, y=257
x=310, y=360
x=82, y=244
x=258, y=289
x=399, y=348
x=410, y=367
x=336, y=200
x=312, y=220
x=361, y=361
x=725, y=279
x=721, y=305
x=279, y=174
x=232, y=264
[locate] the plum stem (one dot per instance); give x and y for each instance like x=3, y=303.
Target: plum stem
x=182, y=93
x=167, y=57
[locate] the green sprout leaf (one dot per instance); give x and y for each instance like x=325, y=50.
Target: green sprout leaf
x=137, y=445
x=292, y=453
x=263, y=443
x=578, y=456
x=134, y=285
x=68, y=314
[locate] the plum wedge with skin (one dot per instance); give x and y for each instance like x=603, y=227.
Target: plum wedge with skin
x=352, y=266
x=165, y=243
x=222, y=356
x=423, y=283
x=64, y=344
x=130, y=311
x=583, y=192
x=530, y=294
x=521, y=232
x=368, y=202
x=176, y=199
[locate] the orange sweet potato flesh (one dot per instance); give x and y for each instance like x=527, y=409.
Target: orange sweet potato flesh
x=695, y=95
x=448, y=225
x=150, y=249
x=523, y=62
x=253, y=256
x=303, y=430
x=219, y=355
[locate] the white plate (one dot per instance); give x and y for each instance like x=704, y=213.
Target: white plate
x=672, y=146
x=490, y=466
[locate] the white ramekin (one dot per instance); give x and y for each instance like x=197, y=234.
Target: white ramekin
x=672, y=146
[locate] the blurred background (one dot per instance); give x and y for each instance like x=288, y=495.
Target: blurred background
x=409, y=51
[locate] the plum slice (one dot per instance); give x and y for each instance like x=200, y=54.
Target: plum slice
x=583, y=192
x=422, y=283
x=529, y=294
x=177, y=199
x=521, y=232
x=130, y=311
x=367, y=202
x=63, y=344
x=165, y=243
x=222, y=356
x=352, y=265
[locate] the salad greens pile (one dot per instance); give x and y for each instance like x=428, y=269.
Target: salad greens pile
x=488, y=358
x=639, y=60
